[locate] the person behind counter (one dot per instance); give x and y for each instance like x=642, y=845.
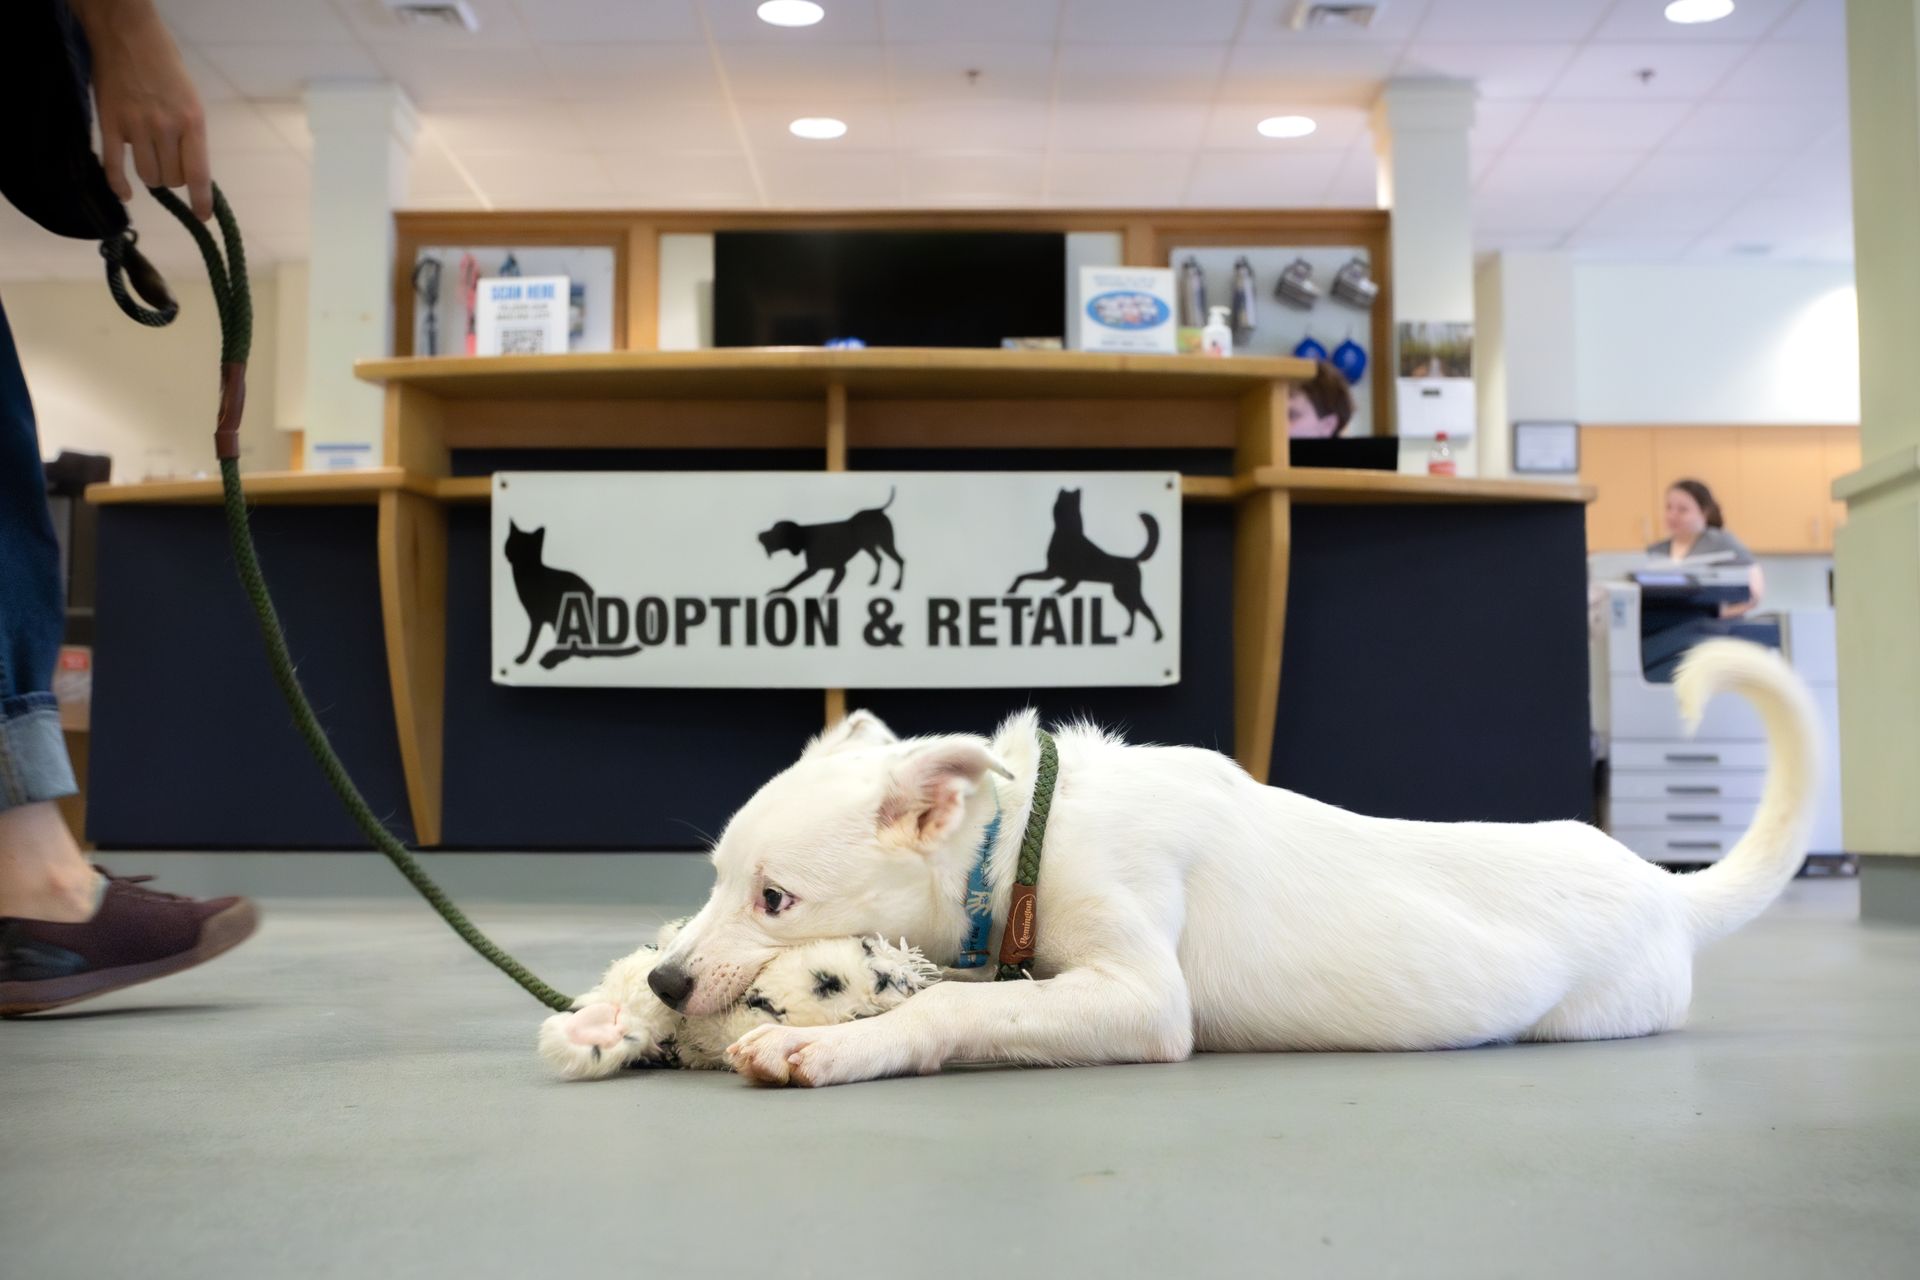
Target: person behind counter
x=1697, y=527
x=1320, y=407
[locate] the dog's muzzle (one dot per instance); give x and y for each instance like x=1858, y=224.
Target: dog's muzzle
x=672, y=985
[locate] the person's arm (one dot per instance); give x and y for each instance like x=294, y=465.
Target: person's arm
x=146, y=102
x=1756, y=588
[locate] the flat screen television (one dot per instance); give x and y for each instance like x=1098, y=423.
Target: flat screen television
x=887, y=288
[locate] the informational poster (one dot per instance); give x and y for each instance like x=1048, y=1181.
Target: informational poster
x=521, y=316
x=1434, y=392
x=834, y=580
x=1126, y=309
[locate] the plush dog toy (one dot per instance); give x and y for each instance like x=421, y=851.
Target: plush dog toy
x=621, y=1024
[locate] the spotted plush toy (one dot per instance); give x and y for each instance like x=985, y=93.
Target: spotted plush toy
x=621, y=1024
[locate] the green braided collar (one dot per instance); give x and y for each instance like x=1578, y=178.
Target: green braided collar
x=1017, y=939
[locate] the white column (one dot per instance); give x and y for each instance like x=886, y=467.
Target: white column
x=1426, y=179
x=1524, y=349
x=362, y=139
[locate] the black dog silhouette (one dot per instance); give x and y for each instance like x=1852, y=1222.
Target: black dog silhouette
x=1072, y=556
x=543, y=590
x=832, y=546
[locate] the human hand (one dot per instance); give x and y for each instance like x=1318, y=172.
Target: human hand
x=146, y=102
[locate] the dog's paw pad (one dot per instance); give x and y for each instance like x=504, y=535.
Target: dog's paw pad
x=597, y=1026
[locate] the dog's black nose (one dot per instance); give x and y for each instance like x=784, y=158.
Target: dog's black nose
x=672, y=985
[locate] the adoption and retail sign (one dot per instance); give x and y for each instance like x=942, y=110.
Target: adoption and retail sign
x=863, y=579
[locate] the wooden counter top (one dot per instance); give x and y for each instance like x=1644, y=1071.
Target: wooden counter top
x=783, y=373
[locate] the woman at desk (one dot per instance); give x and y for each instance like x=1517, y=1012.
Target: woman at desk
x=1696, y=527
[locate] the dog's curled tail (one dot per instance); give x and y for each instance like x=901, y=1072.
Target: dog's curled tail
x=1153, y=537
x=1737, y=888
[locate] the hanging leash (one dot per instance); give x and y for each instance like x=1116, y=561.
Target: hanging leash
x=234, y=301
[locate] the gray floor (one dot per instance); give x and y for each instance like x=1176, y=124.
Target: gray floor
x=352, y=1094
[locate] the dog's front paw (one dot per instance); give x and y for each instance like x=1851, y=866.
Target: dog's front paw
x=814, y=1057
x=600, y=1039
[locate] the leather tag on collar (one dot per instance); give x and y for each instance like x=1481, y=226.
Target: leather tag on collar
x=1016, y=941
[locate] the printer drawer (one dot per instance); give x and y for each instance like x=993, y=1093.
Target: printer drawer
x=1669, y=844
x=1669, y=756
x=1684, y=811
x=1691, y=785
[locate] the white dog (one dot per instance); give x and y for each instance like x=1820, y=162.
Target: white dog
x=1184, y=906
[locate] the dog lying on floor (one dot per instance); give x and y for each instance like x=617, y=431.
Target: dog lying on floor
x=1182, y=906
x=621, y=1024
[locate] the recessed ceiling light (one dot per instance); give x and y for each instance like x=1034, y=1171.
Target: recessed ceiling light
x=1692, y=11
x=817, y=127
x=791, y=13
x=1286, y=126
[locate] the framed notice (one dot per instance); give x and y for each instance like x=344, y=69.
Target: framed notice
x=1546, y=448
x=825, y=580
x=1126, y=309
x=521, y=316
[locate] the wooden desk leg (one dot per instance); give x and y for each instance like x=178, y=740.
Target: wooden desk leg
x=836, y=461
x=1262, y=541
x=413, y=607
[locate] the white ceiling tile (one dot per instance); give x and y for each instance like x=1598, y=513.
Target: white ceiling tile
x=1490, y=241
x=611, y=21
x=1630, y=246
x=1646, y=20
x=207, y=80
x=1784, y=71
x=258, y=20
x=1127, y=126
x=1270, y=22
x=1143, y=21
x=676, y=80
x=374, y=23
x=1600, y=126
x=1806, y=215
x=283, y=70
x=644, y=126
x=975, y=178
x=1827, y=165
x=848, y=178
x=552, y=178
x=943, y=21
x=1146, y=178
x=285, y=216
x=1232, y=125
x=1756, y=126
x=1510, y=21
x=1556, y=172
x=1142, y=73
x=1497, y=70
x=455, y=202
x=938, y=72
x=1356, y=183
x=288, y=120
x=1699, y=173
x=1815, y=20
x=249, y=178
x=1671, y=215
x=829, y=74
x=240, y=127
x=970, y=126
x=1240, y=179
x=528, y=126
x=431, y=175
x=738, y=22
x=1350, y=72
x=869, y=127
x=691, y=179
x=1495, y=123
x=1612, y=71
x=440, y=77
x=1533, y=210
x=1829, y=248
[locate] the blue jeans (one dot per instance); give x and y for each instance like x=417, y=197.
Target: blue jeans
x=33, y=755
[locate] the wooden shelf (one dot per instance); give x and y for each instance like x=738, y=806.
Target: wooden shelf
x=790, y=373
x=337, y=488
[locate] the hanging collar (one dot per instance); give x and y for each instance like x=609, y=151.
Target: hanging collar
x=1017, y=941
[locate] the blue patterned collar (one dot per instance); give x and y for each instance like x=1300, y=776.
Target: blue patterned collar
x=979, y=902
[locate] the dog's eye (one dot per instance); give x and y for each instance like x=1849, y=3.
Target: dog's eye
x=774, y=900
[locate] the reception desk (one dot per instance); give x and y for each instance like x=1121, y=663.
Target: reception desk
x=1404, y=645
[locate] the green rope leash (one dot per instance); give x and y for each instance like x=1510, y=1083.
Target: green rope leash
x=1016, y=941
x=234, y=301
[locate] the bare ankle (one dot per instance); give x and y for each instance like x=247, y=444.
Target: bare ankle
x=43, y=874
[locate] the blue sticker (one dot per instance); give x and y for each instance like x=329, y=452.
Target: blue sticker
x=1127, y=309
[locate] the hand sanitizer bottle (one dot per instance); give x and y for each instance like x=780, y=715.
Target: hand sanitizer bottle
x=1217, y=338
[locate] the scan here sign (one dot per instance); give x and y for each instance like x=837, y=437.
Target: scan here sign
x=867, y=579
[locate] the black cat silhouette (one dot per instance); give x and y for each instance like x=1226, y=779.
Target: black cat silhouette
x=1072, y=556
x=543, y=591
x=831, y=546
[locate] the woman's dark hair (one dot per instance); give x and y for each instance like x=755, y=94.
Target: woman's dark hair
x=1704, y=497
x=1327, y=391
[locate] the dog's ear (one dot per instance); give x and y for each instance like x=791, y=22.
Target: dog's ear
x=861, y=729
x=927, y=789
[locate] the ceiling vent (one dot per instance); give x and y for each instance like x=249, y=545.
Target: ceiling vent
x=1309, y=14
x=454, y=14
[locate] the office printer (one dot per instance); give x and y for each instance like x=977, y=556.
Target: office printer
x=1674, y=798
